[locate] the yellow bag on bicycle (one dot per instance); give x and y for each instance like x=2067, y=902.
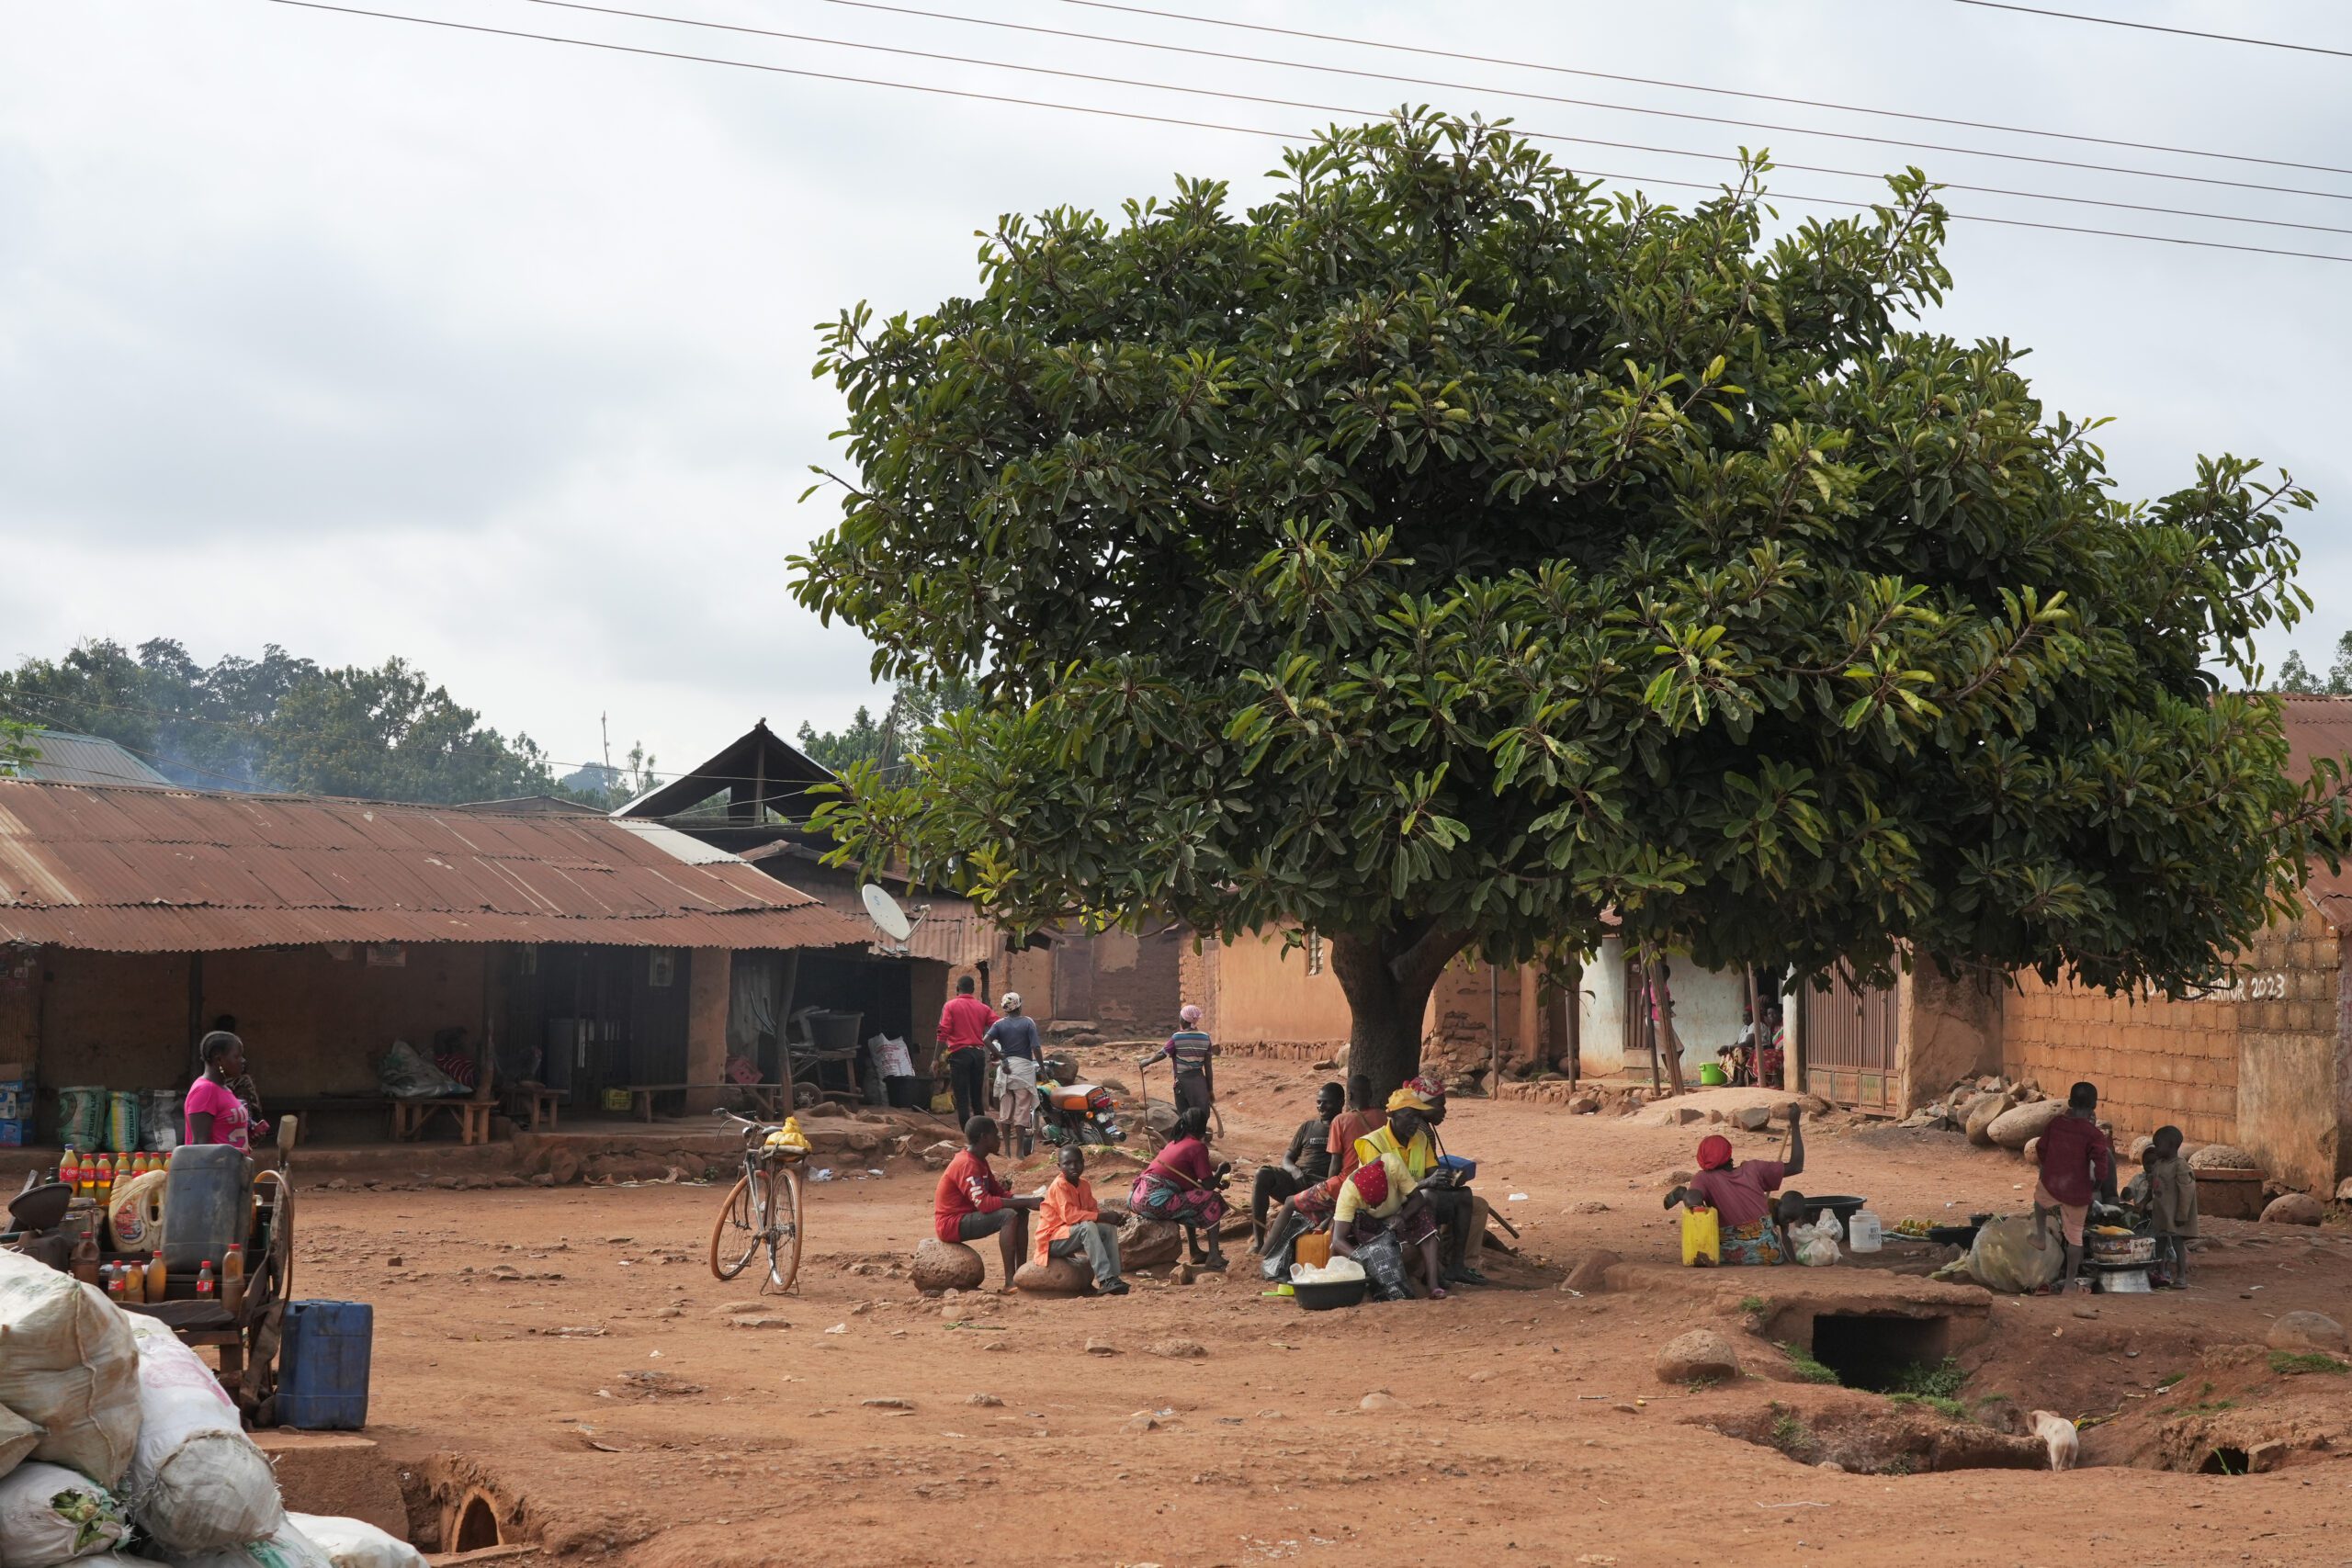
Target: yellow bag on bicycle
x=789, y=1140
x=1702, y=1238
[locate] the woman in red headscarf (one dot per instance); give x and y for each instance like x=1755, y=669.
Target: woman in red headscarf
x=1741, y=1195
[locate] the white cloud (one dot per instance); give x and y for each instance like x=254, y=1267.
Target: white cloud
x=371, y=339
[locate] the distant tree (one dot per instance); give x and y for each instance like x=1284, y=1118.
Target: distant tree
x=916, y=707
x=2294, y=675
x=16, y=747
x=1446, y=554
x=860, y=741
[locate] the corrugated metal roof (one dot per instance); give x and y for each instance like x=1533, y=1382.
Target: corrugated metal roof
x=144, y=870
x=2322, y=726
x=68, y=758
x=948, y=929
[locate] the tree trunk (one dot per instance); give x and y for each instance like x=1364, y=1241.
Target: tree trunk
x=1387, y=980
x=1662, y=1011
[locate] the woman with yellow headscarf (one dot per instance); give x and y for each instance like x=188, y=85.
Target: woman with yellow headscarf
x=1379, y=1196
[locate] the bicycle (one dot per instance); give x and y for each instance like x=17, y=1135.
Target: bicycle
x=760, y=1211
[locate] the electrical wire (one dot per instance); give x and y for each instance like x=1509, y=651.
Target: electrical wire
x=1373, y=114
x=1245, y=129
x=1681, y=86
x=2159, y=28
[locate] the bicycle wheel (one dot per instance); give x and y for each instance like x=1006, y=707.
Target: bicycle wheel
x=784, y=1227
x=735, y=1239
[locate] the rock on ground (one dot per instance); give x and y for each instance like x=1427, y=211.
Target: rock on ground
x=946, y=1265
x=1753, y=1118
x=2344, y=1190
x=1058, y=1276
x=2294, y=1209
x=2307, y=1331
x=2014, y=1129
x=1701, y=1355
x=1591, y=1272
x=1983, y=1111
x=1146, y=1244
x=1179, y=1350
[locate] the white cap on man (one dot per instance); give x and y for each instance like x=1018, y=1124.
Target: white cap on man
x=1011, y=1002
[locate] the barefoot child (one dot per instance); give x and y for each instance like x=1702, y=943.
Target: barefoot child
x=1069, y=1222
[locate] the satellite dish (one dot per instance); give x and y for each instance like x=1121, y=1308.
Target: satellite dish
x=886, y=913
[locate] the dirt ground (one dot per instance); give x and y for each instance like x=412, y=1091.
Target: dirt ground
x=639, y=1411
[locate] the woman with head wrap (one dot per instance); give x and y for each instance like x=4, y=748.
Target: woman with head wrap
x=1189, y=1051
x=1181, y=1186
x=1379, y=1196
x=1741, y=1195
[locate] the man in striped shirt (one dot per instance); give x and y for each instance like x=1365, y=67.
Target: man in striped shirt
x=1189, y=1051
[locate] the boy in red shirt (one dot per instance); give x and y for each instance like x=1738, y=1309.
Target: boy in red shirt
x=971, y=1203
x=2077, y=1164
x=963, y=1034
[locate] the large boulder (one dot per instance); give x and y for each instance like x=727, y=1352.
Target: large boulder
x=1701, y=1356
x=946, y=1265
x=1147, y=1244
x=2294, y=1209
x=1977, y=1118
x=2308, y=1331
x=1057, y=1277
x=2014, y=1128
x=2344, y=1190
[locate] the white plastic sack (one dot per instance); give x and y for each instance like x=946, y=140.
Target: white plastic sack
x=67, y=1365
x=19, y=1437
x=1817, y=1244
x=50, y=1515
x=355, y=1543
x=197, y=1483
x=404, y=1074
x=2003, y=1257
x=1339, y=1272
x=285, y=1547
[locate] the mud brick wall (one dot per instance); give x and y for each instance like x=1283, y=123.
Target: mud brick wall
x=2261, y=1066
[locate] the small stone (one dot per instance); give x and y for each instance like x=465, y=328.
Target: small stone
x=1484, y=1374
x=765, y=1320
x=1701, y=1355
x=1589, y=1206
x=1753, y=1118
x=393, y=1262
x=618, y=1240
x=1100, y=1348
x=2307, y=1331
x=1142, y=1421
x=1179, y=1350
x=1687, y=1115
x=1181, y=1274
x=887, y=1403
x=986, y=1401
x=1380, y=1399
x=2294, y=1209
x=1832, y=1466
x=2344, y=1190
x=1583, y=1105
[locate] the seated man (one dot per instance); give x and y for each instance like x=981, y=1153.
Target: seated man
x=971, y=1203
x=1069, y=1222
x=1752, y=1230
x=1461, y=1214
x=1381, y=1197
x=1307, y=1162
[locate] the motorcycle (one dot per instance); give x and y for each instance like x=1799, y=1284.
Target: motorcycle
x=1077, y=1113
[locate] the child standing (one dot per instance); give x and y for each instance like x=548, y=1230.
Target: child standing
x=2172, y=1206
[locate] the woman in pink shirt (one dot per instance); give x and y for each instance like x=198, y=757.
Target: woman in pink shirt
x=213, y=1114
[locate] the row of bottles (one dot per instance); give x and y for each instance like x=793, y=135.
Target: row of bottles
x=149, y=1282
x=94, y=1176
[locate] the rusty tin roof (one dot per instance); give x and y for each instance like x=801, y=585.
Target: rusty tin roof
x=142, y=870
x=2322, y=726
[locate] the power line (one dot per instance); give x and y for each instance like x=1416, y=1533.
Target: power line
x=2158, y=28
x=1374, y=114
x=1247, y=129
x=1686, y=86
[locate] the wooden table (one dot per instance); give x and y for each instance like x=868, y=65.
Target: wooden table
x=767, y=1097
x=472, y=1117
x=539, y=1104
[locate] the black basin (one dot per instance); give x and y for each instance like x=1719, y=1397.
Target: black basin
x=1843, y=1206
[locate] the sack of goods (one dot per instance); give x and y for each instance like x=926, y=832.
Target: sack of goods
x=197, y=1483
x=50, y=1515
x=1817, y=1244
x=71, y=1368
x=355, y=1543
x=285, y=1547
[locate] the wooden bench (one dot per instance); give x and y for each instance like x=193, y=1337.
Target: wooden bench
x=768, y=1097
x=471, y=1116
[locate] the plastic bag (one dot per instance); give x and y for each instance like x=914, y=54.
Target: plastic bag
x=71, y=1368
x=1339, y=1272
x=355, y=1543
x=2003, y=1256
x=404, y=1074
x=1383, y=1261
x=1817, y=1244
x=284, y=1547
x=1702, y=1237
x=197, y=1483
x=50, y=1515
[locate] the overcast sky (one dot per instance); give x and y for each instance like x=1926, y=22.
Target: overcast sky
x=369, y=338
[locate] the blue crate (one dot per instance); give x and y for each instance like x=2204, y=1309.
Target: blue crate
x=14, y=1131
x=322, y=1365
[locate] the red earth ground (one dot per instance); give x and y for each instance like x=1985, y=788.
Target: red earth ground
x=626, y=1407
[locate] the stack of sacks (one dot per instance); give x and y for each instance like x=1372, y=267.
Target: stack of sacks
x=118, y=1445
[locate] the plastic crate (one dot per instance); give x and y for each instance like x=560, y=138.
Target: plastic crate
x=14, y=1131
x=16, y=1099
x=322, y=1369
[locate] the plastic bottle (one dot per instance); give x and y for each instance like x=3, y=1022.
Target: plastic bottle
x=116, y=1288
x=232, y=1276
x=159, y=1279
x=69, y=1169
x=1863, y=1231
x=134, y=1282
x=103, y=1188
x=204, y=1286
x=85, y=1259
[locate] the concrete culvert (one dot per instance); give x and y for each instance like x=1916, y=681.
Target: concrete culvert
x=474, y=1525
x=2226, y=1461
x=1876, y=1352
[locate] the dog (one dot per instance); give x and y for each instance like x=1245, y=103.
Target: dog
x=2058, y=1433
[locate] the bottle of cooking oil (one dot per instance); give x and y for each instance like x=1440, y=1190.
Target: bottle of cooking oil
x=159, y=1279
x=85, y=1259
x=232, y=1276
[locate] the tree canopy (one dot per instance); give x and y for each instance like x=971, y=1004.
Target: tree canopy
x=2294, y=675
x=279, y=722
x=1445, y=553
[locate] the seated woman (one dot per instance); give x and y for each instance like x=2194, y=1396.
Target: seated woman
x=1381, y=1196
x=1741, y=1195
x=1182, y=1187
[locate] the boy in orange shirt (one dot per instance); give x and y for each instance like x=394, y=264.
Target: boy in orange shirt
x=1069, y=1222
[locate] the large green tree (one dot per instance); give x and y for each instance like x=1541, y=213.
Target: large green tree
x=1444, y=553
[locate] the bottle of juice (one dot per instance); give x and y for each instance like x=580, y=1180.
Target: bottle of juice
x=113, y=1275
x=69, y=1169
x=159, y=1279
x=134, y=1282
x=103, y=1188
x=232, y=1276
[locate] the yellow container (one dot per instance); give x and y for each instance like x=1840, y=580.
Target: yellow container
x=1702, y=1237
x=1313, y=1249
x=619, y=1099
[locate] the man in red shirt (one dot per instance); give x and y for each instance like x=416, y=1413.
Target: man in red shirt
x=963, y=1033
x=971, y=1203
x=2077, y=1164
